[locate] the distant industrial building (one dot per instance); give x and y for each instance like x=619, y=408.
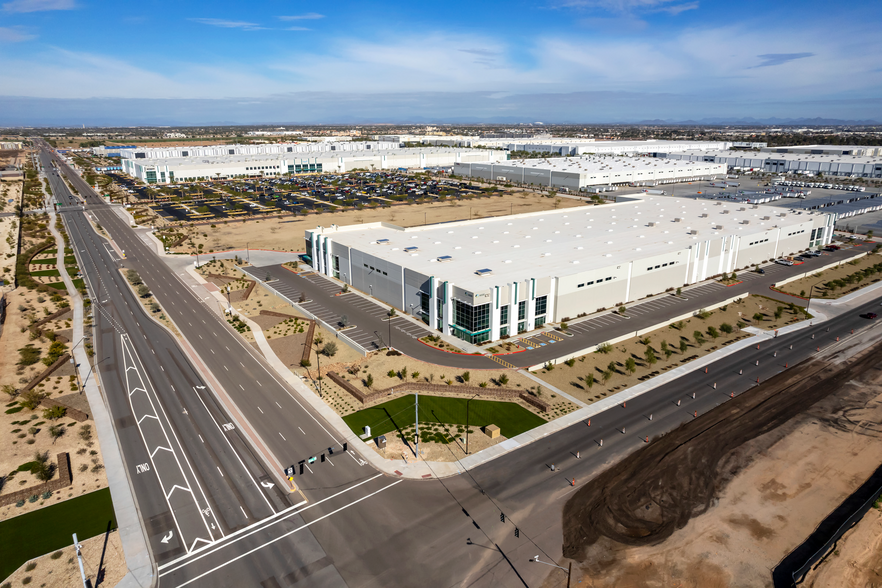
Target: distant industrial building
x=578, y=173
x=590, y=146
x=221, y=167
x=792, y=163
x=11, y=145
x=859, y=150
x=261, y=149
x=486, y=279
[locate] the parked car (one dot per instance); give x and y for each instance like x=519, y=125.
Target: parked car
x=760, y=271
x=871, y=315
x=784, y=261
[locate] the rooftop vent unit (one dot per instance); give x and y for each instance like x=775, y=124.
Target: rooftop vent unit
x=382, y=241
x=693, y=232
x=745, y=222
x=650, y=224
x=703, y=215
x=766, y=218
x=444, y=258
x=411, y=249
x=783, y=214
x=718, y=228
x=742, y=208
x=726, y=211
x=484, y=272
x=678, y=219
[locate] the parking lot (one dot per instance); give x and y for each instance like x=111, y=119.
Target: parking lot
x=367, y=323
x=297, y=195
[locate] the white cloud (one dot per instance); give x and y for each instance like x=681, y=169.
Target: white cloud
x=630, y=6
x=229, y=24
x=38, y=5
x=14, y=35
x=307, y=16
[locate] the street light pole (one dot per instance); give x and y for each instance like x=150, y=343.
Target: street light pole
x=535, y=559
x=467, y=423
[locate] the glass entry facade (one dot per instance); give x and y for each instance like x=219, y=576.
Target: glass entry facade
x=471, y=323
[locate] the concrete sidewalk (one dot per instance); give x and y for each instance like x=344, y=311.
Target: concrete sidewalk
x=139, y=560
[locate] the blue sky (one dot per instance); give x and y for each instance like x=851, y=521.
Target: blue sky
x=155, y=62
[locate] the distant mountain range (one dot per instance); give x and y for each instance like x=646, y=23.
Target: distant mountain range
x=808, y=122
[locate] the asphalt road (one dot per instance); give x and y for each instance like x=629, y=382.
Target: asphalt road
x=373, y=330
x=360, y=528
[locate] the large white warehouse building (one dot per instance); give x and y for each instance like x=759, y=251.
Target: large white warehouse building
x=485, y=279
x=827, y=164
x=585, y=146
x=861, y=150
x=262, y=149
x=182, y=169
x=576, y=173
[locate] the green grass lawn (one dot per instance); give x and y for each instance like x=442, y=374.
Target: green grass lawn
x=511, y=418
x=45, y=273
x=37, y=533
x=70, y=260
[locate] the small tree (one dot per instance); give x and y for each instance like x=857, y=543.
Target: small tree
x=344, y=320
x=679, y=291
x=10, y=390
x=758, y=316
x=622, y=310
x=649, y=354
x=369, y=381
x=683, y=346
x=53, y=413
x=56, y=431
x=143, y=291
x=605, y=376
x=85, y=433
x=699, y=338
x=726, y=328
x=589, y=380
x=502, y=379
x=391, y=312
x=779, y=312
x=630, y=365
x=713, y=332
x=465, y=377
x=604, y=348
x=612, y=367
x=330, y=349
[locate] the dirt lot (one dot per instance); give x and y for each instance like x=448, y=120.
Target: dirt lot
x=286, y=234
x=803, y=286
x=857, y=560
x=574, y=379
x=62, y=571
x=25, y=432
x=721, y=500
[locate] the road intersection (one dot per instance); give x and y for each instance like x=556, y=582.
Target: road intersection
x=357, y=528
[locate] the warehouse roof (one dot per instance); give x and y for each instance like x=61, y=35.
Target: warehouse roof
x=561, y=242
x=592, y=164
x=821, y=157
x=257, y=159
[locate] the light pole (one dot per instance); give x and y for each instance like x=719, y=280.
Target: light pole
x=809, y=303
x=467, y=422
x=90, y=371
x=535, y=559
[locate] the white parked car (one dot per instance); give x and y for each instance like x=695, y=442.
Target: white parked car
x=784, y=261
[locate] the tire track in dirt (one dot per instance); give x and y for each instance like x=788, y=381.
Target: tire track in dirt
x=653, y=492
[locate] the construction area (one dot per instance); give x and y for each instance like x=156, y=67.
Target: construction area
x=723, y=499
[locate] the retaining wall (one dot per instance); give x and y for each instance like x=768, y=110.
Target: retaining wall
x=64, y=479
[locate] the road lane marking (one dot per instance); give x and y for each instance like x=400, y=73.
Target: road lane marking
x=219, y=470
x=283, y=437
x=260, y=409
x=301, y=430
x=280, y=537
x=243, y=511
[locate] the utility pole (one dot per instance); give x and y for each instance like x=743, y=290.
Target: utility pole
x=77, y=546
x=417, y=440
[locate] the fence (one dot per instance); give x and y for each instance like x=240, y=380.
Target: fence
x=797, y=564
